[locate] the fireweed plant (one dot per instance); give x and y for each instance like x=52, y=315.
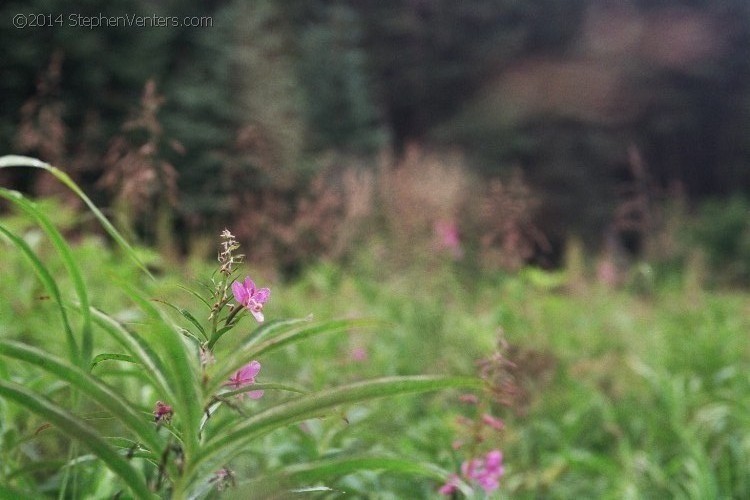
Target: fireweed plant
x=177, y=431
x=480, y=431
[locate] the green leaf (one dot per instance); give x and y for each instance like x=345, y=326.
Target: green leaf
x=49, y=284
x=25, y=161
x=78, y=429
x=195, y=294
x=8, y=492
x=186, y=314
x=110, y=356
x=188, y=400
x=106, y=397
x=327, y=470
x=194, y=321
x=153, y=366
x=33, y=468
x=66, y=254
x=286, y=332
x=224, y=446
x=263, y=387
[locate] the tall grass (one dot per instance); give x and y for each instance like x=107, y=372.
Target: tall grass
x=621, y=394
x=183, y=447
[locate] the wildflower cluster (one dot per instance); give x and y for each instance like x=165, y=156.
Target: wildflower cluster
x=483, y=430
x=486, y=472
x=175, y=448
x=248, y=297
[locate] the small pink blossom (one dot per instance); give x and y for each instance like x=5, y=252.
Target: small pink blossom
x=223, y=478
x=468, y=399
x=493, y=422
x=248, y=296
x=450, y=487
x=447, y=235
x=246, y=376
x=358, y=354
x=486, y=472
x=162, y=412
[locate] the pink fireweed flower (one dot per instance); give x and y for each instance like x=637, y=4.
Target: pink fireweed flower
x=223, y=478
x=448, y=238
x=248, y=296
x=246, y=376
x=358, y=354
x=162, y=412
x=493, y=422
x=450, y=487
x=470, y=399
x=485, y=472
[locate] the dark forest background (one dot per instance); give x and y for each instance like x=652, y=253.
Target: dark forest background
x=598, y=110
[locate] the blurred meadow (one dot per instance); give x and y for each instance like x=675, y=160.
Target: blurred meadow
x=552, y=197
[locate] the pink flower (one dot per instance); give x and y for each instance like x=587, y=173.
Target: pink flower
x=468, y=399
x=450, y=486
x=486, y=472
x=358, y=354
x=446, y=232
x=493, y=422
x=246, y=376
x=223, y=478
x=248, y=296
x=162, y=412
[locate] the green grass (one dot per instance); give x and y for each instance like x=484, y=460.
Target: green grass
x=629, y=396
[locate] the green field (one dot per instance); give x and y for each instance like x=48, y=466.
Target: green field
x=626, y=393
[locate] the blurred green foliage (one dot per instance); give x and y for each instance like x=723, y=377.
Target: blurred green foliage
x=626, y=395
x=722, y=232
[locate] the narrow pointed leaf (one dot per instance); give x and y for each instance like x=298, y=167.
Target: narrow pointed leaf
x=183, y=379
x=186, y=314
x=110, y=356
x=106, y=397
x=132, y=342
x=285, y=334
x=328, y=470
x=25, y=161
x=275, y=327
x=66, y=254
x=233, y=439
x=49, y=284
x=78, y=429
x=195, y=294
